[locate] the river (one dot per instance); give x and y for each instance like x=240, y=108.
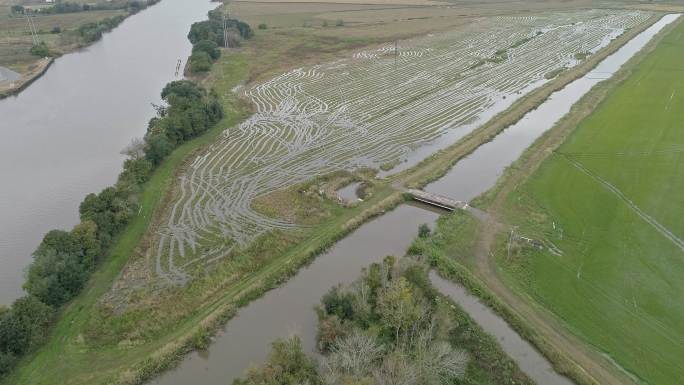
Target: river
x=290, y=308
x=62, y=136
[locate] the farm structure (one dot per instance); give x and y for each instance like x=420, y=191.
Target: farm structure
x=374, y=108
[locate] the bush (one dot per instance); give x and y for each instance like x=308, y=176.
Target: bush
x=62, y=262
x=91, y=32
x=263, y=26
x=339, y=23
x=424, y=230
x=24, y=326
x=56, y=29
x=200, y=62
x=208, y=46
x=41, y=49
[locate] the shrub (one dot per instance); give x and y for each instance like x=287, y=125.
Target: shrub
x=200, y=62
x=424, y=230
x=263, y=26
x=339, y=23
x=208, y=46
x=41, y=49
x=56, y=29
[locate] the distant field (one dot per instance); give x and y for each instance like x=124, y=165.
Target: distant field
x=608, y=206
x=16, y=41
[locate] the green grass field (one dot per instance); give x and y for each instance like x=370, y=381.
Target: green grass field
x=608, y=206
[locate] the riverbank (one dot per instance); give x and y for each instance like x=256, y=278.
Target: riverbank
x=16, y=87
x=152, y=358
x=58, y=45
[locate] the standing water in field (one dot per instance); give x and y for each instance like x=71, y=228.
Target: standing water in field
x=62, y=136
x=289, y=309
x=478, y=172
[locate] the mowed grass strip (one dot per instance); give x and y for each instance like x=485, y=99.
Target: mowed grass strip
x=610, y=201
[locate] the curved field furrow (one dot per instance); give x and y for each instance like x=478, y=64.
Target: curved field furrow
x=376, y=107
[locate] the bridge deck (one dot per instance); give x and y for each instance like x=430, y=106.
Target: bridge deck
x=437, y=200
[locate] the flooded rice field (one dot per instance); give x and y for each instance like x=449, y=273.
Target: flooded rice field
x=63, y=135
x=391, y=106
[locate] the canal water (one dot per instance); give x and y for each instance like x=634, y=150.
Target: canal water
x=62, y=136
x=245, y=340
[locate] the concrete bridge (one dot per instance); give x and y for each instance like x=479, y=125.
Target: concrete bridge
x=437, y=200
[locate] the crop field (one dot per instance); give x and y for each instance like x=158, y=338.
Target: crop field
x=373, y=109
x=608, y=206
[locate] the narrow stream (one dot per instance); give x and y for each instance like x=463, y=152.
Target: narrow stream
x=289, y=309
x=528, y=358
x=62, y=136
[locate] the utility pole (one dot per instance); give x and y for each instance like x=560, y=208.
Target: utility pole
x=32, y=28
x=396, y=54
x=225, y=32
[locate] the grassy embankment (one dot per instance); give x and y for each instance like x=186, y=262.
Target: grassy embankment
x=69, y=358
x=609, y=201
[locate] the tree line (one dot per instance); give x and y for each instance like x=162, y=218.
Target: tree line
x=131, y=6
x=64, y=260
x=208, y=35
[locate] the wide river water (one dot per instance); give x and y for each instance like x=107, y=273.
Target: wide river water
x=290, y=308
x=62, y=136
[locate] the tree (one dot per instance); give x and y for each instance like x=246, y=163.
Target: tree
x=353, y=356
x=41, y=49
x=399, y=307
x=339, y=303
x=158, y=147
x=24, y=326
x=135, y=149
x=209, y=47
x=17, y=9
x=423, y=230
x=287, y=365
x=200, y=62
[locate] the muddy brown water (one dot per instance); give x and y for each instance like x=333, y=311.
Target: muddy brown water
x=528, y=358
x=245, y=340
x=62, y=136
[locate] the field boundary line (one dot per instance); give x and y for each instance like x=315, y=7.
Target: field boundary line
x=664, y=231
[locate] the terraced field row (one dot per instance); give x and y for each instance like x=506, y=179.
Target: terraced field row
x=370, y=110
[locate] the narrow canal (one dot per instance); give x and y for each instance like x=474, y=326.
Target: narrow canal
x=246, y=339
x=62, y=137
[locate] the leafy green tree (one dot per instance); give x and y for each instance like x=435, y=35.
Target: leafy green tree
x=287, y=365
x=399, y=307
x=200, y=62
x=208, y=46
x=158, y=147
x=110, y=210
x=24, y=326
x=339, y=303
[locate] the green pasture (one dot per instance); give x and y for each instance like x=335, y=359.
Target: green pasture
x=608, y=206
